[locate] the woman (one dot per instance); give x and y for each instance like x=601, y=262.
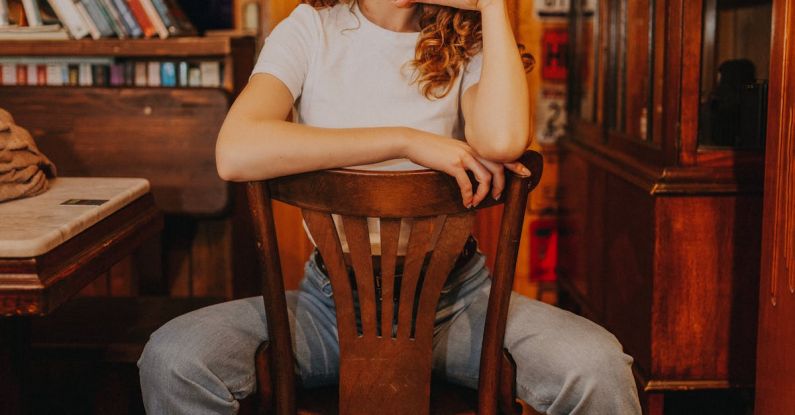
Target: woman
x=390, y=84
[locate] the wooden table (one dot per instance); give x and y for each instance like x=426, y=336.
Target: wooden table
x=54, y=244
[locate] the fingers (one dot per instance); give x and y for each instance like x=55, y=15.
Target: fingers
x=518, y=168
x=483, y=177
x=464, y=184
x=402, y=3
x=497, y=177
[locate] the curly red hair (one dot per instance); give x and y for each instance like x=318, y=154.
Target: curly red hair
x=449, y=38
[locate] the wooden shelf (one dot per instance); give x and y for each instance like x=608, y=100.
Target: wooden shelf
x=174, y=47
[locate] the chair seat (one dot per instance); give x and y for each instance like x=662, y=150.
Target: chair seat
x=446, y=399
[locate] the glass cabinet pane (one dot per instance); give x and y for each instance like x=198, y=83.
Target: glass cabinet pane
x=734, y=72
x=630, y=90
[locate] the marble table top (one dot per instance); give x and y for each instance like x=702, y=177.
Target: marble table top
x=33, y=226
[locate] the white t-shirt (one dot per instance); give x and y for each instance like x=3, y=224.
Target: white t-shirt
x=345, y=71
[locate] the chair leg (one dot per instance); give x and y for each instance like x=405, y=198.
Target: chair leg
x=264, y=384
x=508, y=402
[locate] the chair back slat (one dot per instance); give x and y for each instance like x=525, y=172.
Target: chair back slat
x=358, y=237
x=454, y=234
x=390, y=236
x=321, y=226
x=418, y=246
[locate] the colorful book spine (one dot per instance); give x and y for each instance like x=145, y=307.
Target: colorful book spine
x=211, y=74
x=153, y=74
x=168, y=74
x=113, y=17
x=133, y=28
x=74, y=75
x=9, y=74
x=182, y=78
x=98, y=17
x=117, y=74
x=142, y=18
x=155, y=18
x=22, y=74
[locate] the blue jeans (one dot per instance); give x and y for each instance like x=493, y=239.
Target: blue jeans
x=202, y=362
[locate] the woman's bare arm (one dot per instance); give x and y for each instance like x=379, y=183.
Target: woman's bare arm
x=496, y=109
x=256, y=143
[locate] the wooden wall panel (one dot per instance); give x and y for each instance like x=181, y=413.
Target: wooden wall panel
x=776, y=362
x=628, y=258
x=707, y=254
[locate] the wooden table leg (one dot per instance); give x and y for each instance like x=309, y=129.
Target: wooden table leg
x=14, y=364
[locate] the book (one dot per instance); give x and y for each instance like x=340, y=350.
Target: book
x=44, y=32
x=140, y=74
x=210, y=74
x=4, y=20
x=22, y=74
x=32, y=13
x=114, y=18
x=141, y=17
x=154, y=17
x=70, y=18
x=41, y=74
x=100, y=74
x=133, y=28
x=97, y=16
x=85, y=77
x=168, y=74
x=54, y=73
x=153, y=74
x=93, y=30
x=165, y=15
x=194, y=75
x=116, y=74
x=74, y=75
x=184, y=25
x=182, y=77
x=8, y=73
x=31, y=69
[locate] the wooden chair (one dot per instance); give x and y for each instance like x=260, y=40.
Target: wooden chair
x=385, y=371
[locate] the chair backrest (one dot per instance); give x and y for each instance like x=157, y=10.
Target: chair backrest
x=385, y=324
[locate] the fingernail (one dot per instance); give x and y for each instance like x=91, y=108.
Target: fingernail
x=497, y=197
x=525, y=171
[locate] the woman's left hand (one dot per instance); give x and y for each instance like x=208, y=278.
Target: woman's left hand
x=458, y=4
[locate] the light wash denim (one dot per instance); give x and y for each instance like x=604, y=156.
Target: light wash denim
x=202, y=362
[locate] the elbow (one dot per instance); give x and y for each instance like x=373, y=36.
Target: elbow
x=227, y=163
x=505, y=148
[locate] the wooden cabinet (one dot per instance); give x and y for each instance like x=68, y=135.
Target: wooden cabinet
x=661, y=220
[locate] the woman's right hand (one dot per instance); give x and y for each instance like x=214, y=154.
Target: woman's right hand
x=455, y=157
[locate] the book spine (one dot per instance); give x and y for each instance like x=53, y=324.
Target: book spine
x=31, y=74
x=98, y=17
x=54, y=74
x=129, y=73
x=129, y=21
x=154, y=17
x=70, y=18
x=165, y=14
x=41, y=74
x=182, y=78
x=85, y=77
x=9, y=73
x=141, y=17
x=74, y=75
x=168, y=74
x=22, y=74
x=32, y=13
x=140, y=74
x=194, y=75
x=211, y=74
x=93, y=30
x=100, y=74
x=116, y=74
x=153, y=74
x=110, y=15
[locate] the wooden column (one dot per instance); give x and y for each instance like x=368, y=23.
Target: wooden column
x=775, y=362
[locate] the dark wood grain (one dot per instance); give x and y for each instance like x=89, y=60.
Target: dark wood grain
x=775, y=363
x=178, y=47
x=164, y=135
x=382, y=370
